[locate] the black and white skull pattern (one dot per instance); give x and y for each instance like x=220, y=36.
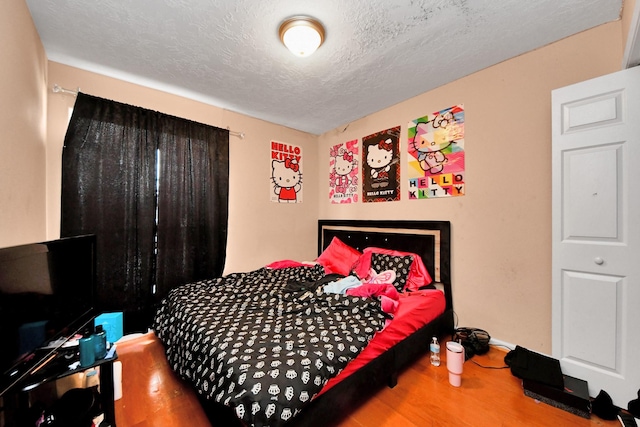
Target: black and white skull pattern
x=245, y=342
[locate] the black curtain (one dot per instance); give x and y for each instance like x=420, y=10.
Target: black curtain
x=192, y=203
x=148, y=242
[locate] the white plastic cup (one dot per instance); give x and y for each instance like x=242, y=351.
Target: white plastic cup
x=455, y=361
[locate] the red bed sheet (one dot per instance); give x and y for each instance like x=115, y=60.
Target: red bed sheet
x=415, y=310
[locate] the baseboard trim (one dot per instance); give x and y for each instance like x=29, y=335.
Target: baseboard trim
x=500, y=343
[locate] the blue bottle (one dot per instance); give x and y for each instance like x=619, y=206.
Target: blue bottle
x=87, y=350
x=100, y=342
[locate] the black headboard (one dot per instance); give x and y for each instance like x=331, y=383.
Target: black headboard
x=429, y=239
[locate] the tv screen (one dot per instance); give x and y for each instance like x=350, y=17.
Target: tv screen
x=46, y=296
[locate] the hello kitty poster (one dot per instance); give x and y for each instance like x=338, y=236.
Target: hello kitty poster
x=343, y=172
x=435, y=155
x=381, y=166
x=286, y=173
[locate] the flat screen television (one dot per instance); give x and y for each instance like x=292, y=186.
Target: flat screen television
x=46, y=297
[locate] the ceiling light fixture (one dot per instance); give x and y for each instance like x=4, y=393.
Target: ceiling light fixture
x=302, y=35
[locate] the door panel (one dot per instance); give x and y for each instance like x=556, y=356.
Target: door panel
x=591, y=206
x=591, y=308
x=592, y=112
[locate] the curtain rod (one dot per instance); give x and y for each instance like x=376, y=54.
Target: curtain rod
x=240, y=135
x=59, y=89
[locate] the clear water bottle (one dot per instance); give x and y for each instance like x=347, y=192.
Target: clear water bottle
x=435, y=352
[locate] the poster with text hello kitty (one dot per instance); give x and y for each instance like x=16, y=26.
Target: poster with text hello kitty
x=343, y=172
x=286, y=173
x=381, y=166
x=435, y=157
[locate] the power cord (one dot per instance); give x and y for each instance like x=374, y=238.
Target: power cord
x=489, y=367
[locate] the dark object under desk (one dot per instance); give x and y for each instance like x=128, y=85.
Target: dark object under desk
x=17, y=399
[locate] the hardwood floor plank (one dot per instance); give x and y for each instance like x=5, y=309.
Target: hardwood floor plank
x=379, y=413
x=153, y=396
x=487, y=397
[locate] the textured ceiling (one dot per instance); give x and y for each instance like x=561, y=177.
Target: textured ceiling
x=377, y=52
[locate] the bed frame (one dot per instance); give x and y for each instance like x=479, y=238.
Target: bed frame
x=429, y=239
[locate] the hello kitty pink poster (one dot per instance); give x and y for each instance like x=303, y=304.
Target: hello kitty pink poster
x=435, y=157
x=286, y=173
x=381, y=166
x=344, y=172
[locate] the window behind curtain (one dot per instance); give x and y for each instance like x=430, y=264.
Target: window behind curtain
x=114, y=159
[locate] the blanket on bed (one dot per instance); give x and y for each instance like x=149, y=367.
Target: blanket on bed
x=264, y=342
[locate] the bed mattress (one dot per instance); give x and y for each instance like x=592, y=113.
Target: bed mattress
x=252, y=343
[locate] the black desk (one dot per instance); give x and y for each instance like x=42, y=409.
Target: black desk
x=58, y=368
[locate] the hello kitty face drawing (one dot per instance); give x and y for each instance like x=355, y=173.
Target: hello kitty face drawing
x=432, y=138
x=379, y=158
x=287, y=179
x=344, y=164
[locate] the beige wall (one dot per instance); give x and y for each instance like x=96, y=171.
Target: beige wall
x=501, y=228
x=22, y=127
x=257, y=227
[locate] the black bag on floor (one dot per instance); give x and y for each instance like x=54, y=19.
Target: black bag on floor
x=529, y=365
x=474, y=340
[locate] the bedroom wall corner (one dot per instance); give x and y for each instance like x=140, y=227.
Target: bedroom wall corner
x=628, y=11
x=501, y=228
x=22, y=127
x=269, y=231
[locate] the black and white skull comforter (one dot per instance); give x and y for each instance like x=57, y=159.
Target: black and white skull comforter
x=250, y=342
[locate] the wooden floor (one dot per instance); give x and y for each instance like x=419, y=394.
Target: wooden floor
x=154, y=397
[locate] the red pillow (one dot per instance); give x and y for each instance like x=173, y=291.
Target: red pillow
x=418, y=274
x=286, y=263
x=338, y=257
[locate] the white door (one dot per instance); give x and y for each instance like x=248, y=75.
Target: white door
x=596, y=233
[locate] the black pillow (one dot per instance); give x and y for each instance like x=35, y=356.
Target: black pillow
x=400, y=264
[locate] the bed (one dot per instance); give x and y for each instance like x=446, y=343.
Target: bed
x=271, y=347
